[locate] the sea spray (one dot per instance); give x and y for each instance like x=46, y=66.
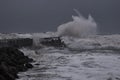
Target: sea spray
x=79, y=27
x=37, y=37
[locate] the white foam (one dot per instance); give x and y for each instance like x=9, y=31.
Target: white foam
x=79, y=27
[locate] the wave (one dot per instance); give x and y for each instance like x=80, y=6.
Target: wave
x=79, y=27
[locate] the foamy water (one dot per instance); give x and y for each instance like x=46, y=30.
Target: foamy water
x=93, y=58
x=54, y=64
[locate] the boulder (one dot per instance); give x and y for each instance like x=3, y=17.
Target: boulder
x=12, y=61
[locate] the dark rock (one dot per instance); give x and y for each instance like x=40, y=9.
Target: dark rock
x=4, y=71
x=28, y=65
x=2, y=77
x=53, y=41
x=37, y=64
x=12, y=61
x=21, y=68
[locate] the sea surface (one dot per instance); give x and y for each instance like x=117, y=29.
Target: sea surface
x=92, y=58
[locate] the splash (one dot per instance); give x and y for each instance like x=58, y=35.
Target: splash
x=79, y=27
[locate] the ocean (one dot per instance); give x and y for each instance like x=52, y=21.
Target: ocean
x=91, y=58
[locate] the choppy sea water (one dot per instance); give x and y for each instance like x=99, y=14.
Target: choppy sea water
x=95, y=58
x=54, y=64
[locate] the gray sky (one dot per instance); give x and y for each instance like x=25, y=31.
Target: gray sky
x=47, y=15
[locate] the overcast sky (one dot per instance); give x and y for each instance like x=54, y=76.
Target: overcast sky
x=47, y=15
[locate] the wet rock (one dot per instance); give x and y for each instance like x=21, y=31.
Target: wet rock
x=53, y=41
x=37, y=64
x=2, y=77
x=12, y=61
x=28, y=65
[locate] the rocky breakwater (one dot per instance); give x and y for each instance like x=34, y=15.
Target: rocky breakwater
x=18, y=42
x=12, y=61
x=52, y=41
